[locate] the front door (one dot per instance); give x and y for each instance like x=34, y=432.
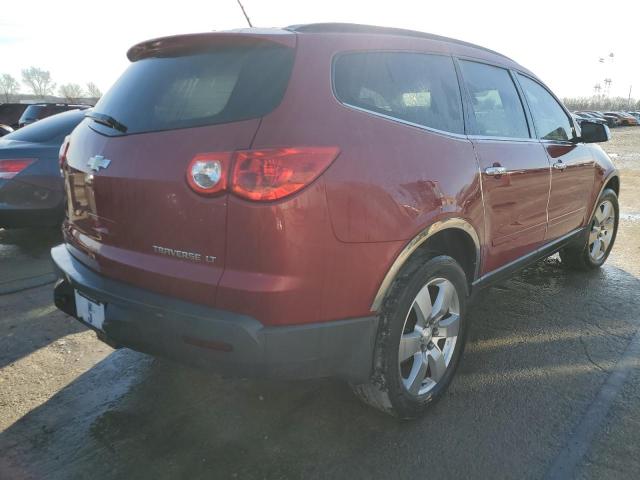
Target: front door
x=573, y=172
x=515, y=169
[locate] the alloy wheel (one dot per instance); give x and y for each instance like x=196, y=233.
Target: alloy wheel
x=602, y=230
x=429, y=336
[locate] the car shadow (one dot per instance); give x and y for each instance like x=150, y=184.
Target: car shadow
x=24, y=258
x=24, y=331
x=25, y=264
x=540, y=345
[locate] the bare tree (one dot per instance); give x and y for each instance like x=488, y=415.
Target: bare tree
x=39, y=81
x=9, y=86
x=93, y=90
x=72, y=92
x=600, y=103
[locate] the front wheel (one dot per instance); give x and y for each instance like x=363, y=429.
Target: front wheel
x=603, y=228
x=420, y=338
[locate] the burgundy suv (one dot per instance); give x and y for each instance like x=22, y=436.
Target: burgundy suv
x=321, y=200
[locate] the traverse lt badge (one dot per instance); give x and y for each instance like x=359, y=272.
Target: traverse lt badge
x=97, y=162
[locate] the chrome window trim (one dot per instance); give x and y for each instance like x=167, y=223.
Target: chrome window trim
x=404, y=122
x=412, y=246
x=546, y=141
x=503, y=139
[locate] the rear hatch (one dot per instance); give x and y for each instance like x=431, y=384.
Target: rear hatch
x=131, y=213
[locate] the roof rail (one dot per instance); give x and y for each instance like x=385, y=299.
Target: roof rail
x=359, y=28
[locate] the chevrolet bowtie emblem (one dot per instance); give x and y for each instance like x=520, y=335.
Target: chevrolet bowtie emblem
x=98, y=162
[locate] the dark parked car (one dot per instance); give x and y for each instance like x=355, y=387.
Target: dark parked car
x=610, y=122
x=321, y=200
x=31, y=186
x=585, y=117
x=38, y=111
x=5, y=130
x=625, y=119
x=10, y=113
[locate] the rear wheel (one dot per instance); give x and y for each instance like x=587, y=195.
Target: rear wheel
x=595, y=249
x=420, y=339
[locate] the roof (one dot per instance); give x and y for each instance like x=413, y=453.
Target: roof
x=372, y=29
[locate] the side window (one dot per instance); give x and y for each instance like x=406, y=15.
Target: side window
x=551, y=121
x=495, y=101
x=415, y=87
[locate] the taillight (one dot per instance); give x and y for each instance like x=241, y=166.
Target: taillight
x=208, y=172
x=259, y=175
x=10, y=168
x=273, y=173
x=62, y=154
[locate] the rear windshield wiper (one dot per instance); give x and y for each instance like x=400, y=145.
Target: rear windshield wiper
x=107, y=120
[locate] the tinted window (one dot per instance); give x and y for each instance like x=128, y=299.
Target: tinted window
x=549, y=118
x=51, y=129
x=224, y=85
x=31, y=113
x=496, y=105
x=418, y=88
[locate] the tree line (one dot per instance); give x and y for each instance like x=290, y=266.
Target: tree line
x=601, y=103
x=40, y=83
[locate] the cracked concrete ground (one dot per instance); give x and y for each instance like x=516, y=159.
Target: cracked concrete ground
x=543, y=346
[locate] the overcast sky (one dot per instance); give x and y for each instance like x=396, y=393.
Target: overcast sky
x=560, y=41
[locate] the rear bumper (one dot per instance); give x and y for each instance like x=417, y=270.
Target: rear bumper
x=223, y=341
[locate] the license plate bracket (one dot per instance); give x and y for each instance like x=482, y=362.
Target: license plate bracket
x=89, y=310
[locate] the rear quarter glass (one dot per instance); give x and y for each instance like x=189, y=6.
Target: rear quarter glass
x=418, y=88
x=222, y=85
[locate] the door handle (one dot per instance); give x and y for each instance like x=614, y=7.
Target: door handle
x=495, y=171
x=560, y=165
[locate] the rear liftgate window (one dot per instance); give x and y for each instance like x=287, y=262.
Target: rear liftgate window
x=414, y=87
x=218, y=86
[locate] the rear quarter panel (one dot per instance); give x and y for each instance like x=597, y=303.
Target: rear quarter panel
x=327, y=250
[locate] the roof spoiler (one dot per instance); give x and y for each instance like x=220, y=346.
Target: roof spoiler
x=199, y=42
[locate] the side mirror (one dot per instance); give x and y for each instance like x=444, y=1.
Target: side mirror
x=594, y=132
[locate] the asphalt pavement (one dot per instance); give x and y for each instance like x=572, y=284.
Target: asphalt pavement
x=543, y=348
x=549, y=387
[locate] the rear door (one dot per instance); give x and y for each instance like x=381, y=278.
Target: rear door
x=573, y=172
x=515, y=169
x=131, y=213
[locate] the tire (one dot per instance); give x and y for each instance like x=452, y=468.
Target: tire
x=603, y=224
x=395, y=387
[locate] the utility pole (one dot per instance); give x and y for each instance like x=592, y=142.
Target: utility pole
x=245, y=14
x=629, y=99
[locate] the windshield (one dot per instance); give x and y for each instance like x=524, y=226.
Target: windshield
x=219, y=86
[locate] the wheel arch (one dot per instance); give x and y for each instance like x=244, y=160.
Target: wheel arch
x=613, y=182
x=455, y=237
